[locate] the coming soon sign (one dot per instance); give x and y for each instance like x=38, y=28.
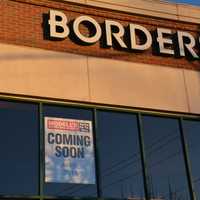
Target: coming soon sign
x=69, y=151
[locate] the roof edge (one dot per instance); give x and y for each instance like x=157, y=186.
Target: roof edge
x=161, y=9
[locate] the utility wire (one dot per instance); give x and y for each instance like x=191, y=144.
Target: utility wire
x=136, y=173
x=124, y=165
x=136, y=154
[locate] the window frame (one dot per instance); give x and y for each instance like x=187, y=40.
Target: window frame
x=180, y=116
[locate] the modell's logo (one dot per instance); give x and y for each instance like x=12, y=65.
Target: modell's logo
x=133, y=37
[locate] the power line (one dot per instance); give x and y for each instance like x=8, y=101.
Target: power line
x=136, y=154
x=133, y=175
x=138, y=159
x=111, y=171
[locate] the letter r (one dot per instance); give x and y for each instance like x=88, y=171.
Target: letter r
x=61, y=23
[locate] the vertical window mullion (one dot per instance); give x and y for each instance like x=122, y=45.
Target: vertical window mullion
x=143, y=157
x=41, y=153
x=96, y=154
x=187, y=161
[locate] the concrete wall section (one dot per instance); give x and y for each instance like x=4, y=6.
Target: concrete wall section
x=38, y=72
x=192, y=82
x=161, y=9
x=137, y=85
x=188, y=13
x=77, y=1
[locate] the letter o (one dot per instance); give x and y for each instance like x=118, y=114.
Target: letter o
x=83, y=38
x=65, y=152
x=58, y=138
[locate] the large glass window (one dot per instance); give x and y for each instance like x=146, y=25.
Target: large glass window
x=165, y=161
x=19, y=149
x=62, y=188
x=120, y=165
x=74, y=143
x=191, y=130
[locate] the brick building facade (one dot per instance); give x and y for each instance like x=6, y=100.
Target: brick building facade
x=143, y=105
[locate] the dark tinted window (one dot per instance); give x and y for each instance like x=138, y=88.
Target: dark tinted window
x=192, y=133
x=69, y=189
x=167, y=177
x=120, y=165
x=19, y=149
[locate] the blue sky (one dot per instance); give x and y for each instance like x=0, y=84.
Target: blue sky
x=193, y=2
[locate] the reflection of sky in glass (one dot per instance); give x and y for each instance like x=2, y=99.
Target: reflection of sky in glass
x=69, y=189
x=192, y=133
x=120, y=167
x=119, y=155
x=167, y=177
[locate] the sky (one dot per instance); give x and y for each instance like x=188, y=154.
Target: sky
x=192, y=2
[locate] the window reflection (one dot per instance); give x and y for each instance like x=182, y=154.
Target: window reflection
x=191, y=129
x=120, y=165
x=19, y=149
x=118, y=145
x=166, y=170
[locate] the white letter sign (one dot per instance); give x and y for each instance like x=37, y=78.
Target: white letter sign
x=54, y=23
x=76, y=27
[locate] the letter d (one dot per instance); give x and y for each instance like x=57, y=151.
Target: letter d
x=53, y=14
x=134, y=45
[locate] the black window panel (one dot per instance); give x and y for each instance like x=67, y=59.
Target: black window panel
x=68, y=189
x=165, y=161
x=120, y=164
x=19, y=198
x=19, y=155
x=191, y=130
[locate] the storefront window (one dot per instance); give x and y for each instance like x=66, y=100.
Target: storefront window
x=120, y=164
x=165, y=161
x=73, y=144
x=66, y=173
x=19, y=149
x=191, y=129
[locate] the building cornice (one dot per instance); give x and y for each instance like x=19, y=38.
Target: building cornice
x=161, y=9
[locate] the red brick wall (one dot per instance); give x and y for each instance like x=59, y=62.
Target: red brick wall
x=21, y=23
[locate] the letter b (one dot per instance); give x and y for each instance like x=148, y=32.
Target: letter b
x=54, y=24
